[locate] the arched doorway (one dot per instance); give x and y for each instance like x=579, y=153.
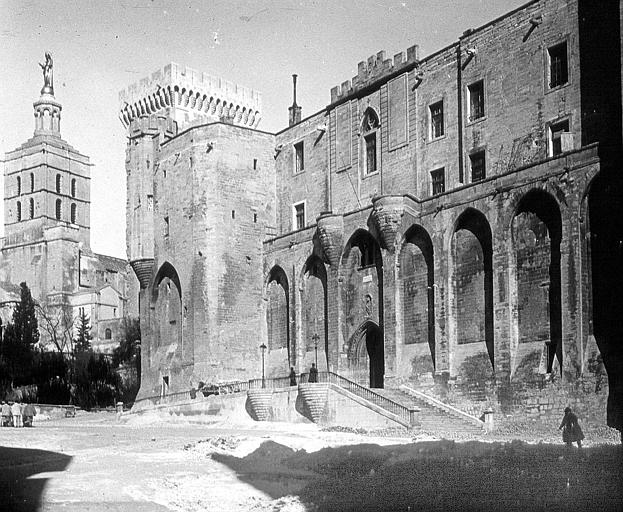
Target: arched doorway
x=278, y=318
x=361, y=296
x=366, y=358
x=315, y=333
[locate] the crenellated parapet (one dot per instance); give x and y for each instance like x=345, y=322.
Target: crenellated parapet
x=375, y=68
x=189, y=97
x=387, y=212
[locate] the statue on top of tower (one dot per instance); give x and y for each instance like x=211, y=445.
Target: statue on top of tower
x=48, y=86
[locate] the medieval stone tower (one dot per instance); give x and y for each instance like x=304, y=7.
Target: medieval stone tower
x=47, y=201
x=200, y=180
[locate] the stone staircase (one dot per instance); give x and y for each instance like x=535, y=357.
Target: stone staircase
x=434, y=419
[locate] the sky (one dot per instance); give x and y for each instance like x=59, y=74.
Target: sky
x=102, y=46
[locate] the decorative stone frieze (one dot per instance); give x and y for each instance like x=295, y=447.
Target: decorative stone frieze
x=330, y=230
x=387, y=215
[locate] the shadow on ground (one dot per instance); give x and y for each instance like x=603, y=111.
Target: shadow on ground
x=438, y=475
x=20, y=490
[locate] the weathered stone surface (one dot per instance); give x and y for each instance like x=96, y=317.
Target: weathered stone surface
x=330, y=229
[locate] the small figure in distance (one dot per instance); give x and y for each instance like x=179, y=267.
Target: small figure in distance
x=313, y=373
x=29, y=412
x=6, y=414
x=292, y=377
x=571, y=430
x=16, y=410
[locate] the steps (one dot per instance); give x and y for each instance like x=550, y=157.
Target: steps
x=433, y=420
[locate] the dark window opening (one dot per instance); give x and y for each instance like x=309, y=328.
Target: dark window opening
x=150, y=202
x=59, y=209
x=436, y=120
x=558, y=68
x=556, y=131
x=367, y=255
x=19, y=186
x=255, y=164
x=370, y=153
x=73, y=213
x=19, y=211
x=166, y=226
x=255, y=217
x=233, y=214
x=477, y=161
x=299, y=151
x=299, y=215
x=31, y=208
x=476, y=93
x=58, y=183
x=438, y=181
x=108, y=334
x=32, y=182
x=73, y=187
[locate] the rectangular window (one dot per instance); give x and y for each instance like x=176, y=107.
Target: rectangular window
x=438, y=181
x=370, y=153
x=477, y=162
x=299, y=215
x=556, y=134
x=299, y=153
x=436, y=120
x=558, y=69
x=476, y=101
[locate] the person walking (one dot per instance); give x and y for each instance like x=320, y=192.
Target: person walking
x=313, y=373
x=571, y=430
x=292, y=377
x=6, y=414
x=16, y=410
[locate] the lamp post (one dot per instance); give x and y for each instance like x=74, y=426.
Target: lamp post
x=315, y=339
x=263, y=349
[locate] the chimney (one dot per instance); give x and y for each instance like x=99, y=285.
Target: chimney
x=295, y=110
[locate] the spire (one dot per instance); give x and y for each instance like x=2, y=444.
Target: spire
x=295, y=110
x=47, y=109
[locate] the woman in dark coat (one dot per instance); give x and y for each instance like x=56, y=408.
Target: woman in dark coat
x=571, y=431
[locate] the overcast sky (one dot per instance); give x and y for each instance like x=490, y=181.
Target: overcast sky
x=100, y=47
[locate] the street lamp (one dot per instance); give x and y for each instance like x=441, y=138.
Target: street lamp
x=315, y=339
x=263, y=349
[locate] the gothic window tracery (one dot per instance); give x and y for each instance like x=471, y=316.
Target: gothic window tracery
x=369, y=131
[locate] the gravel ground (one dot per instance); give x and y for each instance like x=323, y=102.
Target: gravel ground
x=149, y=463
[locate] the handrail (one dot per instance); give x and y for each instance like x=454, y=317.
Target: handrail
x=439, y=404
x=183, y=396
x=377, y=399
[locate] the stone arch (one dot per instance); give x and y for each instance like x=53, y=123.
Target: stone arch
x=416, y=277
x=472, y=281
x=365, y=363
x=361, y=297
x=166, y=306
x=536, y=235
x=278, y=310
x=314, y=310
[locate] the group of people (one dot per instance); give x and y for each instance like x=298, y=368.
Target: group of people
x=15, y=414
x=313, y=375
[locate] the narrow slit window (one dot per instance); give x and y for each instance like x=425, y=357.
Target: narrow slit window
x=59, y=209
x=558, y=66
x=476, y=96
x=73, y=213
x=58, y=183
x=299, y=151
x=370, y=153
x=436, y=120
x=31, y=208
x=19, y=186
x=19, y=211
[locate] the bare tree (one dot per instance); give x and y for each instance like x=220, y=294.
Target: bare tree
x=57, y=322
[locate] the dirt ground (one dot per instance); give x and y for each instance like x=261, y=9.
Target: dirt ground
x=94, y=462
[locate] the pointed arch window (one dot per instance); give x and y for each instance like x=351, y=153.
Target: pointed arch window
x=58, y=183
x=59, y=209
x=32, y=182
x=19, y=211
x=73, y=213
x=369, y=130
x=31, y=208
x=73, y=187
